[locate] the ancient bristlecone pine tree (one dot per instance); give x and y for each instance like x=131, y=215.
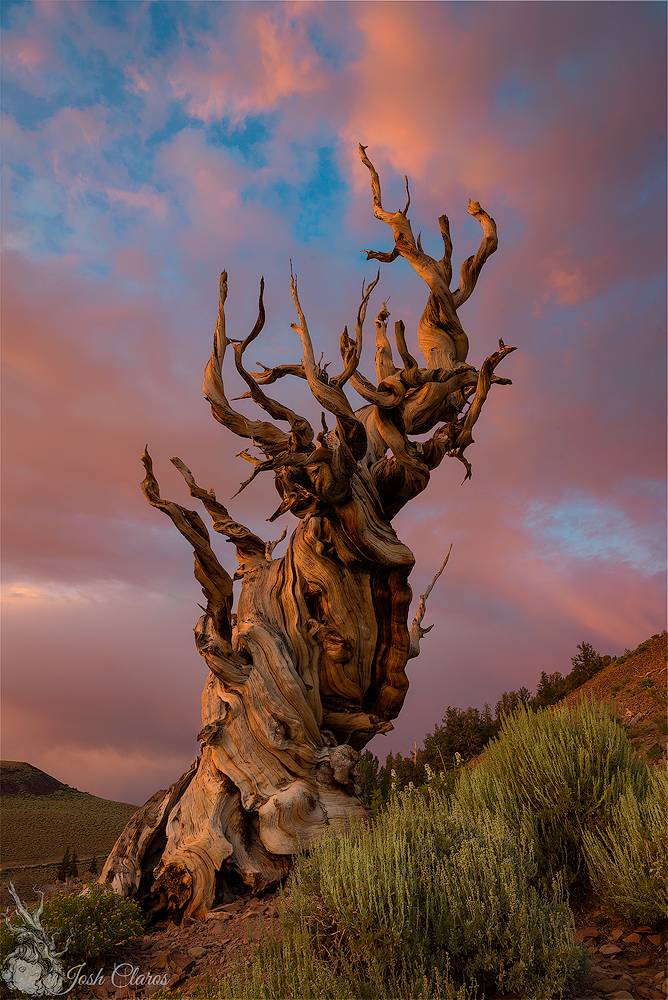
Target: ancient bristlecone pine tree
x=311, y=664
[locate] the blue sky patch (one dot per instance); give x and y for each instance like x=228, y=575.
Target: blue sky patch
x=584, y=527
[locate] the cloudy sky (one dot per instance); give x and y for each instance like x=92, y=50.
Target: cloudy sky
x=146, y=147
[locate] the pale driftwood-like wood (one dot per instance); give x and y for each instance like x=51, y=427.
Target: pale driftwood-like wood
x=311, y=664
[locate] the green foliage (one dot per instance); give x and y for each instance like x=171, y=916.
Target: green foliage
x=93, y=923
x=287, y=968
x=640, y=648
x=585, y=664
x=510, y=701
x=428, y=901
x=370, y=779
x=551, y=689
x=555, y=773
x=463, y=733
x=628, y=858
x=455, y=893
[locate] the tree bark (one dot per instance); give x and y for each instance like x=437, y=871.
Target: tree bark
x=311, y=664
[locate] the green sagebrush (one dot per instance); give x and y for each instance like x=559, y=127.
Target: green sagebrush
x=94, y=923
x=427, y=902
x=458, y=894
x=91, y=925
x=554, y=774
x=627, y=858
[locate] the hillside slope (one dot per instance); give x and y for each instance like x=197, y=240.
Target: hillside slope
x=635, y=686
x=41, y=816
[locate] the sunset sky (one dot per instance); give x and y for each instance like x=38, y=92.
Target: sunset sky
x=147, y=147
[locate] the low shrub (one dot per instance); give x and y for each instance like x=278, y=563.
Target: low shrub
x=555, y=773
x=428, y=901
x=287, y=969
x=93, y=923
x=628, y=859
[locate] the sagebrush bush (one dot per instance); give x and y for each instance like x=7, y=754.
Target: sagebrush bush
x=455, y=894
x=94, y=923
x=287, y=969
x=429, y=901
x=555, y=773
x=628, y=858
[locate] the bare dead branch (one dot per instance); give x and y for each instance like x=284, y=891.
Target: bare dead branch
x=482, y=388
x=446, y=259
x=301, y=428
x=400, y=336
x=351, y=351
x=416, y=630
x=269, y=375
x=312, y=663
x=441, y=337
x=331, y=397
x=485, y=379
x=408, y=197
x=271, y=545
x=385, y=257
x=27, y=917
x=215, y=581
x=250, y=547
x=270, y=437
x=385, y=365
x=472, y=267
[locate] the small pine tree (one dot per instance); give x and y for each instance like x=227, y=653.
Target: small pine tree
x=93, y=867
x=511, y=700
x=64, y=866
x=551, y=687
x=73, y=871
x=586, y=663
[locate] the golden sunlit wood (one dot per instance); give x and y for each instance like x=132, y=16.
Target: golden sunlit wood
x=311, y=664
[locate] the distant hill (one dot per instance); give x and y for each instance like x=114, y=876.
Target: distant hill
x=19, y=778
x=635, y=684
x=42, y=816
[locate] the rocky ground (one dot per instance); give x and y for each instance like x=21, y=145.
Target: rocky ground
x=628, y=960
x=183, y=958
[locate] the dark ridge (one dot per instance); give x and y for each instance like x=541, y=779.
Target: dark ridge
x=20, y=778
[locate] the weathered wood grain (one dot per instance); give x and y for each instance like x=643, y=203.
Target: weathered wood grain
x=311, y=663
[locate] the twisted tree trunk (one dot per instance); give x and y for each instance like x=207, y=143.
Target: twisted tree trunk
x=312, y=664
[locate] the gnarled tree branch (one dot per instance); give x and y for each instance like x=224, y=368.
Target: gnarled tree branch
x=416, y=631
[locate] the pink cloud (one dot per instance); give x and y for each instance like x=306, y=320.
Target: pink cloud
x=263, y=58
x=142, y=198
x=95, y=366
x=569, y=285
